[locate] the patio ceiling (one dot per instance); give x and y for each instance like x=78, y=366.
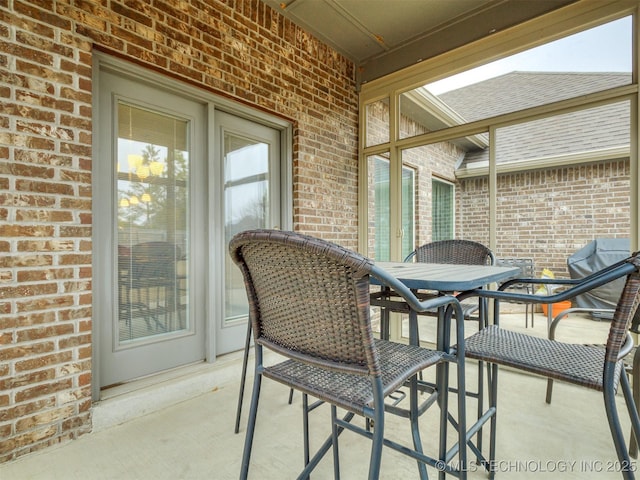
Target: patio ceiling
x=382, y=36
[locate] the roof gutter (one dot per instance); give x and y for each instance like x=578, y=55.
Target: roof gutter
x=481, y=169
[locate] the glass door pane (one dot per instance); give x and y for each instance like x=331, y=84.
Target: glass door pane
x=152, y=221
x=246, y=195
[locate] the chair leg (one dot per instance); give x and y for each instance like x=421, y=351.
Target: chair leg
x=462, y=421
x=625, y=465
x=415, y=429
x=377, y=443
x=493, y=403
x=533, y=316
x=334, y=436
x=549, y=390
x=480, y=401
x=635, y=379
x=483, y=322
x=442, y=382
x=305, y=428
x=328, y=443
x=243, y=377
x=251, y=425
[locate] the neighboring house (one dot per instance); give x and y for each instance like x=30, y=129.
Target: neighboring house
x=581, y=132
x=565, y=178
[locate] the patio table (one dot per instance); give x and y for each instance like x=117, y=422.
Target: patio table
x=447, y=277
x=442, y=279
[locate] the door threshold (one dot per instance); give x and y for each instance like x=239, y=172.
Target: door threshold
x=124, y=402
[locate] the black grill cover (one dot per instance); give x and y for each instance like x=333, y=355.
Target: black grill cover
x=594, y=256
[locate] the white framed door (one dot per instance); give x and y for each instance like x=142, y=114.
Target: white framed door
x=175, y=178
x=151, y=229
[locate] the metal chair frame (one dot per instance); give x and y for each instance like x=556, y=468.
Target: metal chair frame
x=309, y=301
x=527, y=269
x=631, y=368
x=466, y=252
x=582, y=365
x=452, y=252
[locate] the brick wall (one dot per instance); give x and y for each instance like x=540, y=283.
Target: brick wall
x=429, y=162
x=549, y=214
x=240, y=49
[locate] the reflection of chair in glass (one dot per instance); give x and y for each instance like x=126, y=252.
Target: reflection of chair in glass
x=148, y=284
x=130, y=304
x=309, y=301
x=582, y=365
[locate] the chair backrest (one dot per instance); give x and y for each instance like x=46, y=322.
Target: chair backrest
x=526, y=265
x=308, y=298
x=625, y=312
x=154, y=260
x=462, y=252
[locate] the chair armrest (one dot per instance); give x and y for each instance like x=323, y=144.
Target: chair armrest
x=556, y=320
x=605, y=272
x=540, y=281
x=451, y=303
x=410, y=297
x=578, y=287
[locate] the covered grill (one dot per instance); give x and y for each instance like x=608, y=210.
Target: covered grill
x=594, y=256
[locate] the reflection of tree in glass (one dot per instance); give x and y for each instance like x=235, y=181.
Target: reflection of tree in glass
x=161, y=195
x=254, y=214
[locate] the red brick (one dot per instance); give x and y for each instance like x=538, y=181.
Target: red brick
x=44, y=303
x=26, y=351
x=40, y=333
x=27, y=379
x=45, y=417
x=43, y=390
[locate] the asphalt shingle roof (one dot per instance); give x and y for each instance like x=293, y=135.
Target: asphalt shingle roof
x=591, y=129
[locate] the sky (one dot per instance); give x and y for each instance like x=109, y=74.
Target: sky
x=606, y=48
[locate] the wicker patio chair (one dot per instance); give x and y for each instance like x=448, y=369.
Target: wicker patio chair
x=460, y=252
x=309, y=302
x=582, y=365
x=457, y=252
x=454, y=252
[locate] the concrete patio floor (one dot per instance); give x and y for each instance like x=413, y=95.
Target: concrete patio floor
x=194, y=438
